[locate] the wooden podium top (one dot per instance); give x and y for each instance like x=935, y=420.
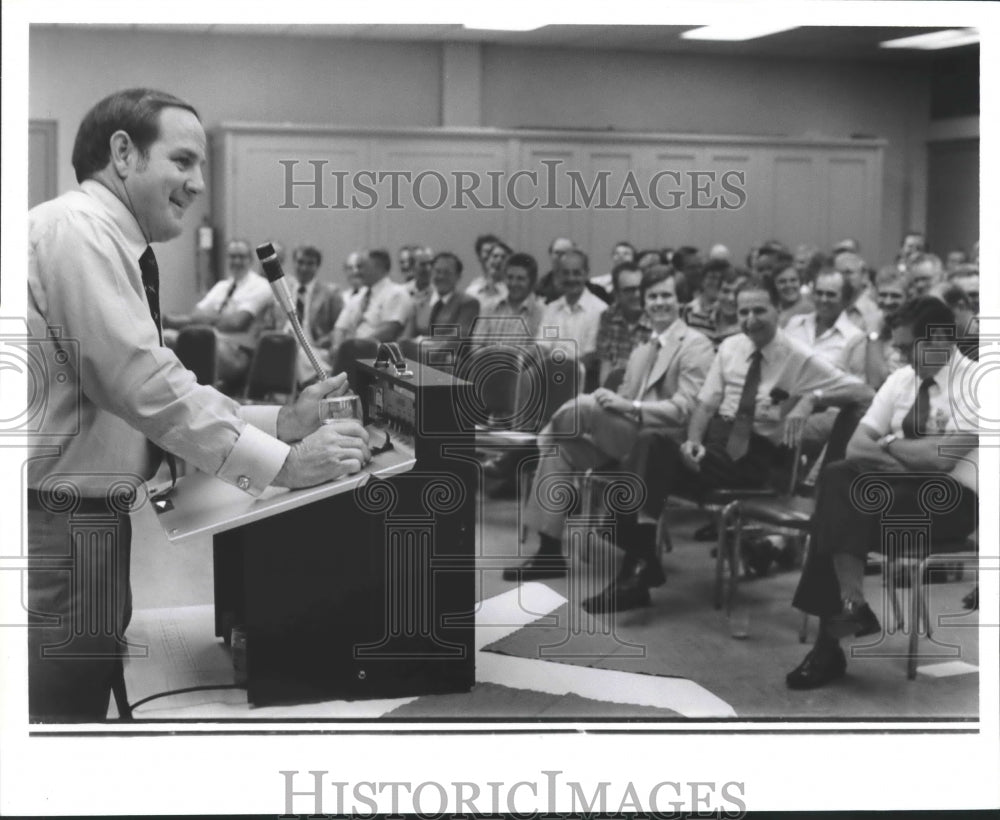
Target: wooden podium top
x=204, y=505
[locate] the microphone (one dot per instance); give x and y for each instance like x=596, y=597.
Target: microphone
x=276, y=276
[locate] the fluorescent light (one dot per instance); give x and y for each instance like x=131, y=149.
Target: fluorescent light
x=734, y=31
x=493, y=24
x=936, y=39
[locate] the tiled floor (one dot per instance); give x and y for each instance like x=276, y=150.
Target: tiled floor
x=679, y=639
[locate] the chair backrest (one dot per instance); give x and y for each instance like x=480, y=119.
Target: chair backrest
x=272, y=370
x=196, y=350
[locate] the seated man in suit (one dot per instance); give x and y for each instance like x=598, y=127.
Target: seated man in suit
x=451, y=311
x=317, y=304
x=759, y=390
x=920, y=407
x=238, y=307
x=661, y=380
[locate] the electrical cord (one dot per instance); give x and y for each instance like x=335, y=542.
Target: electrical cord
x=206, y=688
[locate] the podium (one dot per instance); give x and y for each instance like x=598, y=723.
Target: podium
x=364, y=587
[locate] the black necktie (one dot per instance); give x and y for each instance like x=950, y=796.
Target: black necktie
x=739, y=437
x=229, y=295
x=915, y=422
x=435, y=312
x=151, y=284
x=300, y=304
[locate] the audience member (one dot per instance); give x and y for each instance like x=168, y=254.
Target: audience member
x=420, y=290
x=966, y=320
x=726, y=318
x=238, y=307
x=352, y=272
x=452, y=313
x=647, y=258
x=317, y=305
x=594, y=430
x=881, y=358
x=846, y=246
x=548, y=286
x=621, y=253
x=406, y=262
x=828, y=330
x=571, y=321
x=862, y=309
x=719, y=252
x=791, y=300
x=955, y=259
x=918, y=409
x=925, y=273
x=376, y=314
x=624, y=325
x=755, y=399
x=489, y=289
x=519, y=314
x=700, y=312
x=912, y=244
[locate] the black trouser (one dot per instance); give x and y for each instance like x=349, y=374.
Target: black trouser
x=79, y=602
x=656, y=459
x=881, y=507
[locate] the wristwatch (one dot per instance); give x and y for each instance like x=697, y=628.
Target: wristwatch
x=637, y=407
x=886, y=440
x=873, y=336
x=817, y=395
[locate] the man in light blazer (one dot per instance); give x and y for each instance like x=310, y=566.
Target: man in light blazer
x=662, y=379
x=317, y=303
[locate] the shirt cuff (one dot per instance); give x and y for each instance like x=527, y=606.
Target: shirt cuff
x=262, y=416
x=254, y=462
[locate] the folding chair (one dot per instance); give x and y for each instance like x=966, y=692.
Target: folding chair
x=272, y=370
x=196, y=350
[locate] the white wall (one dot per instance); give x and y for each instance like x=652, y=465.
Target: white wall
x=303, y=80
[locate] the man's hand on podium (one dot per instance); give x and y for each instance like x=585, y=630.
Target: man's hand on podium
x=331, y=452
x=298, y=420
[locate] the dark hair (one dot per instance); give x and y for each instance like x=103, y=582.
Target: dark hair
x=716, y=266
x=526, y=261
x=503, y=245
x=135, y=111
x=577, y=252
x=309, y=250
x=762, y=283
x=625, y=244
x=381, y=258
x=452, y=257
x=485, y=239
x=640, y=254
x=955, y=295
x=653, y=276
x=923, y=314
x=619, y=269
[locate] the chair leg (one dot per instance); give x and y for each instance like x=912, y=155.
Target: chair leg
x=915, y=596
x=735, y=557
x=720, y=554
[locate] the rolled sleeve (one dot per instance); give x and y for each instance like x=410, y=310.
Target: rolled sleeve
x=879, y=414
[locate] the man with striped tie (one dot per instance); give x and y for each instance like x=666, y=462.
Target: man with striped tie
x=595, y=430
x=760, y=389
x=118, y=399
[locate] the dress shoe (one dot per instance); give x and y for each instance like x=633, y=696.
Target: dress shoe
x=538, y=568
x=823, y=664
x=630, y=593
x=856, y=618
x=647, y=570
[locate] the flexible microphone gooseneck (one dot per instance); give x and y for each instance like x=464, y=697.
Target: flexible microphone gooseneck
x=276, y=276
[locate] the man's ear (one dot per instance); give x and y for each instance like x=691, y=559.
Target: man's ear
x=122, y=153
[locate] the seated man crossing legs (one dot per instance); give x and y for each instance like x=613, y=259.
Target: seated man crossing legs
x=759, y=390
x=661, y=380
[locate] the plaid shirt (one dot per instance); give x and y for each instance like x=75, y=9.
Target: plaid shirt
x=617, y=338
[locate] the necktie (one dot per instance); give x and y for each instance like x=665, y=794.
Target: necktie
x=647, y=370
x=739, y=437
x=151, y=284
x=300, y=304
x=435, y=312
x=229, y=295
x=915, y=422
